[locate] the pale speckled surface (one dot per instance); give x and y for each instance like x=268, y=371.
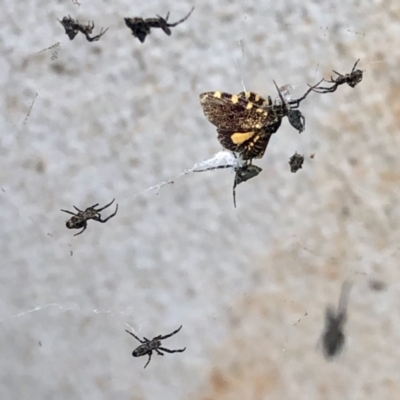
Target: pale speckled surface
x=115, y=117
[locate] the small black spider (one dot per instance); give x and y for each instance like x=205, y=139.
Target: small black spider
x=352, y=79
x=154, y=344
x=140, y=27
x=80, y=219
x=72, y=27
x=296, y=162
x=333, y=337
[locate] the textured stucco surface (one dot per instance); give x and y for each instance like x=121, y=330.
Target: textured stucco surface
x=115, y=117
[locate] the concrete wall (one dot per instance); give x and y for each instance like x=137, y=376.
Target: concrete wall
x=115, y=117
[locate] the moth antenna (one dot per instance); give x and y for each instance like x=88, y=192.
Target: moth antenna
x=280, y=94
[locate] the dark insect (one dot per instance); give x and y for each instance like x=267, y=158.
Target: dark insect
x=79, y=220
x=140, y=27
x=243, y=174
x=333, y=337
x=73, y=27
x=352, y=79
x=246, y=121
x=154, y=344
x=296, y=162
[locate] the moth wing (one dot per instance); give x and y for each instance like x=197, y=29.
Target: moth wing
x=232, y=113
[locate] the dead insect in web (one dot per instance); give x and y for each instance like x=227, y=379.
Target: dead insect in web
x=243, y=174
x=79, y=219
x=73, y=27
x=246, y=121
x=148, y=346
x=352, y=79
x=141, y=27
x=333, y=338
x=227, y=159
x=296, y=162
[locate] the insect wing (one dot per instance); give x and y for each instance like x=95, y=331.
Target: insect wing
x=231, y=112
x=255, y=99
x=249, y=145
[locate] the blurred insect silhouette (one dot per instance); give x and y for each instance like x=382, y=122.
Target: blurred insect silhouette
x=333, y=338
x=352, y=79
x=73, y=27
x=79, y=220
x=154, y=344
x=141, y=27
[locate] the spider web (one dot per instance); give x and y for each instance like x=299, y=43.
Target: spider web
x=226, y=265
x=221, y=160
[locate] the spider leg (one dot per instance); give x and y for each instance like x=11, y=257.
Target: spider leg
x=98, y=218
x=172, y=351
x=96, y=38
x=89, y=27
x=146, y=340
x=296, y=103
x=163, y=24
x=159, y=352
x=161, y=19
x=355, y=65
x=337, y=73
x=69, y=212
x=77, y=209
x=181, y=20
x=90, y=208
x=324, y=89
x=171, y=334
x=166, y=29
x=84, y=228
x=107, y=205
x=150, y=353
x=141, y=341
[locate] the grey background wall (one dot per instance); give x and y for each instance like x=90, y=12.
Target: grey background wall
x=115, y=117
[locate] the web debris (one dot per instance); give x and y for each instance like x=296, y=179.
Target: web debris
x=54, y=55
x=30, y=108
x=222, y=160
x=76, y=308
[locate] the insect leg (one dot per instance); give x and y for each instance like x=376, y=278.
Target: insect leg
x=172, y=351
x=169, y=335
x=150, y=353
x=141, y=341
